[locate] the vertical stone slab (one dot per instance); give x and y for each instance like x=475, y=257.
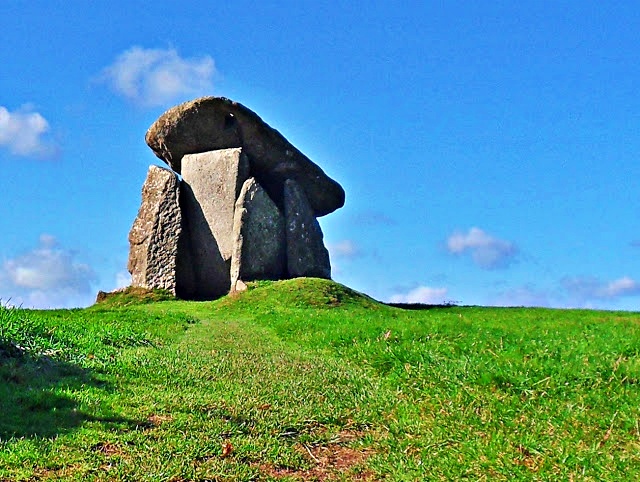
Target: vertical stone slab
x=211, y=183
x=306, y=253
x=153, y=239
x=259, y=237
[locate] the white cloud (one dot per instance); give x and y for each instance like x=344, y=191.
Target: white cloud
x=486, y=251
x=46, y=277
x=24, y=133
x=421, y=294
x=587, y=288
x=343, y=249
x=154, y=77
x=624, y=286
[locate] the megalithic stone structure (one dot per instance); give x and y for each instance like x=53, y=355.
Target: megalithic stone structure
x=245, y=209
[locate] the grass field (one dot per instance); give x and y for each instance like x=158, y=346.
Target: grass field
x=307, y=380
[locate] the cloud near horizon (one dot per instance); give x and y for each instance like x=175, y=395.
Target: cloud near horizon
x=47, y=276
x=25, y=133
x=154, y=77
x=523, y=296
x=486, y=251
x=421, y=294
x=588, y=288
x=571, y=292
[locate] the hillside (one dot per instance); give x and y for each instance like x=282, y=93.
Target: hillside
x=306, y=379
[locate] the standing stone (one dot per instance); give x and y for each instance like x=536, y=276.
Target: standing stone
x=258, y=232
x=306, y=253
x=154, y=236
x=211, y=183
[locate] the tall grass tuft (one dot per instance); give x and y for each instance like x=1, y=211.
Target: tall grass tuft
x=23, y=334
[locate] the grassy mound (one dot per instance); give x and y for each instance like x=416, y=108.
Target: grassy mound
x=299, y=293
x=132, y=295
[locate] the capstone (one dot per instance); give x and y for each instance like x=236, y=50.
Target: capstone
x=211, y=123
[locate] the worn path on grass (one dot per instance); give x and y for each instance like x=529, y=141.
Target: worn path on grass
x=265, y=407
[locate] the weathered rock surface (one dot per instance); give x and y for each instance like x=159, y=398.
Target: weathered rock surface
x=211, y=123
x=211, y=183
x=153, y=239
x=306, y=253
x=258, y=231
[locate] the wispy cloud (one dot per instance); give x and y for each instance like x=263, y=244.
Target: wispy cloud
x=46, y=277
x=343, y=249
x=571, y=292
x=153, y=77
x=524, y=296
x=373, y=218
x=25, y=133
x=421, y=294
x=487, y=251
x=589, y=288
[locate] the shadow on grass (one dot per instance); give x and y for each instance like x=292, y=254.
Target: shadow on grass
x=421, y=306
x=37, y=397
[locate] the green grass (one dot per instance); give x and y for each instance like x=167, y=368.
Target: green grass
x=308, y=380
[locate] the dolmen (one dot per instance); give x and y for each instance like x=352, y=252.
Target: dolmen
x=238, y=203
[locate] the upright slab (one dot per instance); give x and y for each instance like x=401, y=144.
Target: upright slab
x=211, y=183
x=306, y=253
x=154, y=236
x=259, y=238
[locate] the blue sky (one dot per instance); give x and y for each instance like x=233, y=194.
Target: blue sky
x=489, y=150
